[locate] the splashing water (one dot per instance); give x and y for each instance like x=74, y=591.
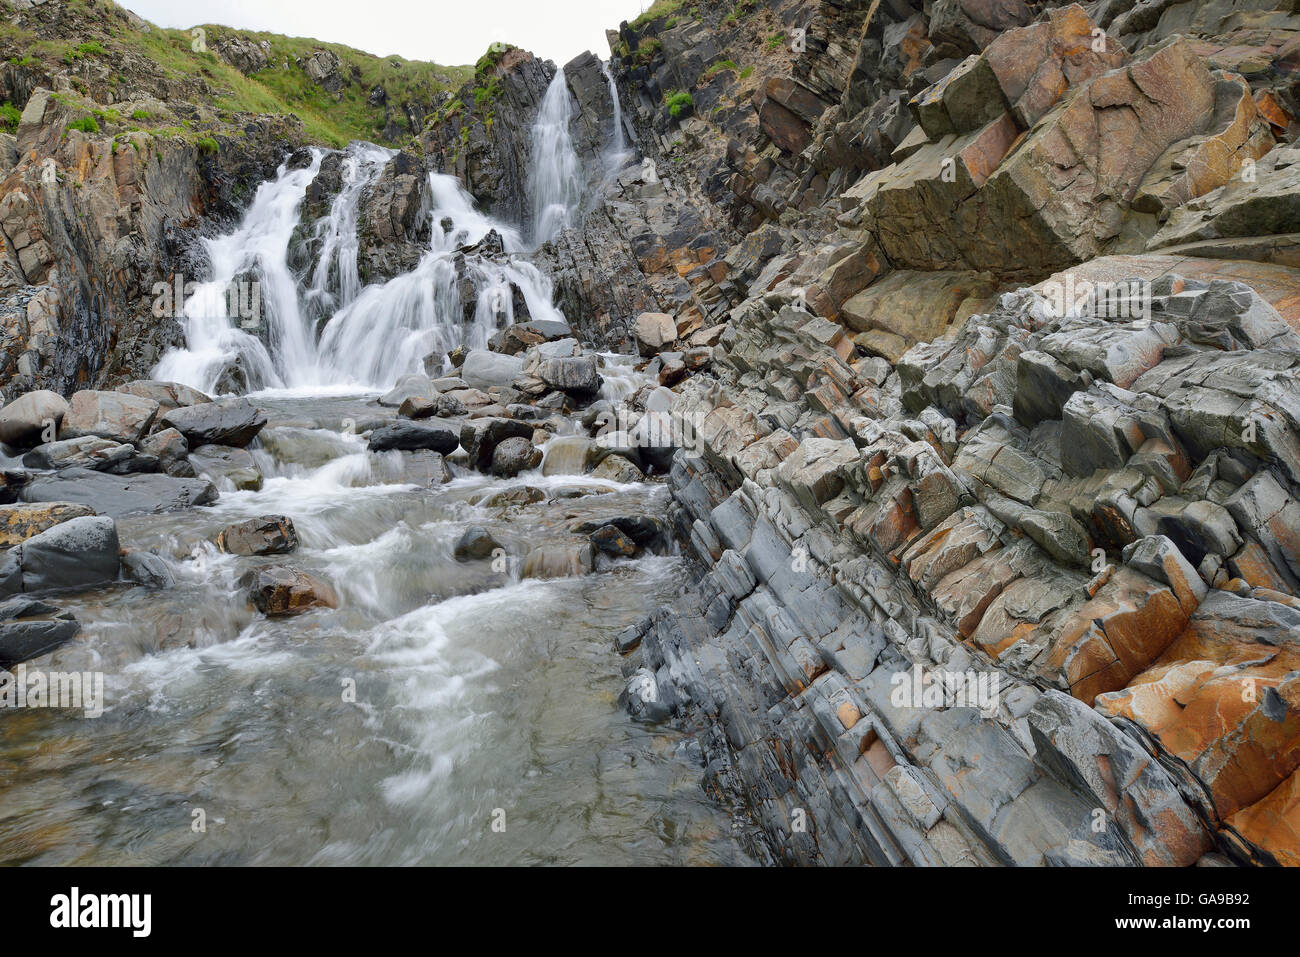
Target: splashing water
x=618, y=154
x=555, y=177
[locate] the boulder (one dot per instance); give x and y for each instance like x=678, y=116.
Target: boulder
x=234, y=422
x=117, y=496
x=485, y=370
x=30, y=628
x=226, y=468
x=32, y=418
x=146, y=568
x=514, y=455
x=168, y=395
x=171, y=450
x=653, y=332
x=576, y=376
x=86, y=452
x=278, y=590
x=79, y=553
x=480, y=437
x=20, y=522
x=268, y=535
x=474, y=544
x=119, y=416
x=409, y=435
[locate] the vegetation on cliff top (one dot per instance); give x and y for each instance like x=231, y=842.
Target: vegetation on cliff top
x=104, y=36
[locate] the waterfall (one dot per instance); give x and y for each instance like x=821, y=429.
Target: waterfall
x=257, y=248
x=618, y=154
x=555, y=177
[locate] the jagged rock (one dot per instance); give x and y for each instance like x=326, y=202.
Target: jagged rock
x=576, y=376
x=88, y=452
x=30, y=628
x=171, y=450
x=268, y=535
x=480, y=437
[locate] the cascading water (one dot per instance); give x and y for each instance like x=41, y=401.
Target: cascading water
x=617, y=156
x=556, y=176
x=257, y=248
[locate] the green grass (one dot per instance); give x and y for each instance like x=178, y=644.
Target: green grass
x=206, y=145
x=718, y=67
x=86, y=124
x=677, y=101
x=9, y=116
x=660, y=8
x=282, y=88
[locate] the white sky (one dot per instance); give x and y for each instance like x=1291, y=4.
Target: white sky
x=450, y=32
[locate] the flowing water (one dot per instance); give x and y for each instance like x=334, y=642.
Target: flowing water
x=477, y=694
x=556, y=176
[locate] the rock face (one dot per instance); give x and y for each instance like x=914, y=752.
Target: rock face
x=233, y=422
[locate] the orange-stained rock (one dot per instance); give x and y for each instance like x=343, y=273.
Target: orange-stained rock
x=1273, y=822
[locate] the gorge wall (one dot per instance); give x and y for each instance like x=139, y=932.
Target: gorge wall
x=856, y=239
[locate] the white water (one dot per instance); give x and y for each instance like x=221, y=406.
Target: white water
x=618, y=153
x=374, y=334
x=555, y=177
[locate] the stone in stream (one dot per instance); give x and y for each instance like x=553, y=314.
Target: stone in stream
x=409, y=435
x=168, y=395
x=475, y=543
x=117, y=496
x=559, y=561
x=424, y=407
x=171, y=450
x=78, y=553
x=480, y=437
x=483, y=369
x=146, y=568
x=412, y=386
x=32, y=418
x=268, y=535
x=20, y=522
x=226, y=467
x=30, y=628
x=644, y=530
x=615, y=468
x=611, y=540
x=576, y=376
x=223, y=422
x=519, y=495
x=515, y=455
x=278, y=590
x=86, y=451
x=119, y=416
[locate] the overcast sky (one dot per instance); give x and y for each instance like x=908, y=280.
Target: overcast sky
x=450, y=32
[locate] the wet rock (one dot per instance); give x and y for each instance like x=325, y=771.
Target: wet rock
x=117, y=496
x=225, y=467
x=615, y=468
x=146, y=568
x=87, y=452
x=515, y=455
x=566, y=455
x=610, y=540
x=30, y=628
x=20, y=522
x=277, y=590
x=644, y=698
x=78, y=553
x=233, y=422
x=424, y=407
x=480, y=437
x=409, y=435
x=119, y=416
x=268, y=535
x=474, y=544
x=519, y=495
x=415, y=386
x=32, y=418
x=559, y=561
